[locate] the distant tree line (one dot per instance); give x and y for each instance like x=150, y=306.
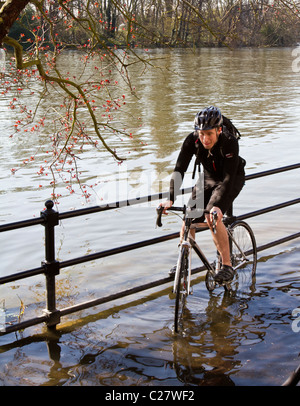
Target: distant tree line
x=174, y=23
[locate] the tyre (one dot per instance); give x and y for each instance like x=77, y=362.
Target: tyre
x=243, y=254
x=181, y=288
x=210, y=281
x=211, y=273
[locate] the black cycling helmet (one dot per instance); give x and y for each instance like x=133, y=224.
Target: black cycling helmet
x=208, y=119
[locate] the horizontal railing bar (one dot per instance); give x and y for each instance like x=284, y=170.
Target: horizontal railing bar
x=159, y=282
x=23, y=324
x=119, y=295
x=114, y=205
x=113, y=251
x=92, y=303
x=21, y=224
x=22, y=275
x=272, y=171
x=130, y=247
x=125, y=248
x=150, y=285
x=130, y=202
x=268, y=209
x=157, y=196
x=278, y=242
x=117, y=250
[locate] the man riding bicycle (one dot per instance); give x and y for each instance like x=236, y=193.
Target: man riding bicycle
x=224, y=177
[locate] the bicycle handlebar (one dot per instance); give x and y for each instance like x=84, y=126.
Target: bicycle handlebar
x=160, y=210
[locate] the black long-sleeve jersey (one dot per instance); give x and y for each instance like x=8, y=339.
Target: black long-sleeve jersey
x=222, y=165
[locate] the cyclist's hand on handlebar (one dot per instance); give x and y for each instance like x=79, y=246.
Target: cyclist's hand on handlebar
x=162, y=210
x=166, y=205
x=209, y=217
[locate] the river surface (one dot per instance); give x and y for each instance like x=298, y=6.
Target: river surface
x=249, y=340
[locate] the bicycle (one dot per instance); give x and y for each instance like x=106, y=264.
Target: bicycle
x=243, y=252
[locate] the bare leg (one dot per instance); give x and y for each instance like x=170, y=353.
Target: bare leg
x=220, y=239
x=222, y=243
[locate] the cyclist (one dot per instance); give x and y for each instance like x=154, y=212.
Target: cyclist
x=224, y=177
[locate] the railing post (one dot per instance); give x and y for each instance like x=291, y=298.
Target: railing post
x=50, y=264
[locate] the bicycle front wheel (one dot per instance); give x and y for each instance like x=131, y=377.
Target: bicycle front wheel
x=243, y=253
x=181, y=287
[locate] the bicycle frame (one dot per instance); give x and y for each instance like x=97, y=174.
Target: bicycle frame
x=188, y=242
x=182, y=278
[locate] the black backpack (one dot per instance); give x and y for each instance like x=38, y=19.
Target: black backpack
x=230, y=129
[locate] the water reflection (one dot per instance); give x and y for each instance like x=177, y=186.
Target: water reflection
x=227, y=340
x=206, y=353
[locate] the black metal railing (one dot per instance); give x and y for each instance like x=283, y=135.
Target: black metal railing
x=50, y=218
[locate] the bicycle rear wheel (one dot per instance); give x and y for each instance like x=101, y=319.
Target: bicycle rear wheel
x=181, y=288
x=243, y=253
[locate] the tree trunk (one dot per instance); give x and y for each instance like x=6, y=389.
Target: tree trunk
x=8, y=15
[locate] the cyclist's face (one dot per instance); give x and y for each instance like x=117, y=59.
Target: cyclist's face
x=208, y=138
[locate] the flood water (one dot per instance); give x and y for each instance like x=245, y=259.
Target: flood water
x=248, y=340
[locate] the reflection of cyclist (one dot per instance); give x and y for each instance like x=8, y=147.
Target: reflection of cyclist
x=205, y=355
x=218, y=152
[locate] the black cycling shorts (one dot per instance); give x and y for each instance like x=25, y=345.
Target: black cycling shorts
x=211, y=195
